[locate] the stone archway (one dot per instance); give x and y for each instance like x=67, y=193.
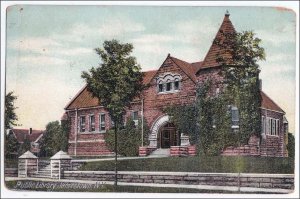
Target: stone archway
x=158, y=123
x=163, y=133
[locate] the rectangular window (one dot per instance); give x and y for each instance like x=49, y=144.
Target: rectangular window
x=269, y=126
x=82, y=123
x=277, y=127
x=160, y=87
x=169, y=86
x=135, y=117
x=263, y=124
x=92, y=123
x=273, y=127
x=102, y=122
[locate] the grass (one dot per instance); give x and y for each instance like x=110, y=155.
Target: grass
x=216, y=164
x=37, y=186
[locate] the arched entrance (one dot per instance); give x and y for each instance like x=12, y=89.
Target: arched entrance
x=163, y=133
x=168, y=136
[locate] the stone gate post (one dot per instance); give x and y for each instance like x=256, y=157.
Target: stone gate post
x=28, y=164
x=60, y=162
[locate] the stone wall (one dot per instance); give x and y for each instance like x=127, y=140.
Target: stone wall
x=11, y=172
x=281, y=181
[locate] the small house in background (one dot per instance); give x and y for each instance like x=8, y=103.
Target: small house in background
x=34, y=137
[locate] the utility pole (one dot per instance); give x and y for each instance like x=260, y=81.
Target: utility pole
x=235, y=119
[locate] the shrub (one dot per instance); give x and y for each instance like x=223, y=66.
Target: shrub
x=291, y=145
x=129, y=138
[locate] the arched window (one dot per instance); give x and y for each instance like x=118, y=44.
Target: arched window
x=160, y=87
x=176, y=84
x=169, y=85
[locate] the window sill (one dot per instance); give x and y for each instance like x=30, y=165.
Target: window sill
x=167, y=92
x=272, y=135
x=92, y=132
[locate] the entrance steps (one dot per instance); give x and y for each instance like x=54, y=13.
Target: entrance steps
x=160, y=153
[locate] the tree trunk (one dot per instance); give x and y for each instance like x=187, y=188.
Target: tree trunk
x=116, y=154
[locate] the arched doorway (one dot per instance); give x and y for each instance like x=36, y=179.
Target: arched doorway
x=163, y=128
x=168, y=136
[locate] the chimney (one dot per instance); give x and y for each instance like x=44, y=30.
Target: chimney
x=30, y=131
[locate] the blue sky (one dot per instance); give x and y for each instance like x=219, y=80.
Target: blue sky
x=49, y=46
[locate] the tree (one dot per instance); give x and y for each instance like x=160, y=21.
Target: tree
x=65, y=129
x=238, y=57
x=11, y=145
x=25, y=146
x=291, y=145
x=116, y=82
x=10, y=114
x=53, y=139
x=129, y=138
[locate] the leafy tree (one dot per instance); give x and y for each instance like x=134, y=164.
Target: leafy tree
x=185, y=118
x=25, y=146
x=10, y=114
x=116, y=82
x=11, y=146
x=53, y=139
x=291, y=145
x=65, y=129
x=129, y=138
x=238, y=57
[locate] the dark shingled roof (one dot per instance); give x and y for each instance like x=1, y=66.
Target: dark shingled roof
x=22, y=134
x=268, y=103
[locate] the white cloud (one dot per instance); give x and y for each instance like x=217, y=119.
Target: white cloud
x=275, y=38
x=107, y=30
x=36, y=45
x=153, y=38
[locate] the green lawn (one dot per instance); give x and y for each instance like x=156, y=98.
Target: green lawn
x=217, y=164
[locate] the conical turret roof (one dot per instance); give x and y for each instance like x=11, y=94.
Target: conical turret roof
x=210, y=58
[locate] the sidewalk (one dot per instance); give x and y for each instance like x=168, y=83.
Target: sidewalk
x=199, y=187
x=119, y=158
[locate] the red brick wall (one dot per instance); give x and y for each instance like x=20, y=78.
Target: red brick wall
x=88, y=143
x=154, y=102
x=274, y=145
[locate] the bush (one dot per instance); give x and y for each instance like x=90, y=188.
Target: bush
x=291, y=145
x=129, y=138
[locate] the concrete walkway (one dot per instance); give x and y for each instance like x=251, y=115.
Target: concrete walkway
x=199, y=187
x=162, y=155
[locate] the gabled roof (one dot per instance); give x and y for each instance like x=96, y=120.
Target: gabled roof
x=210, y=58
x=22, y=134
x=83, y=99
x=187, y=68
x=268, y=103
x=148, y=76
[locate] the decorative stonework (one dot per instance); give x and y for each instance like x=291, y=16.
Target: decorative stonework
x=161, y=121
